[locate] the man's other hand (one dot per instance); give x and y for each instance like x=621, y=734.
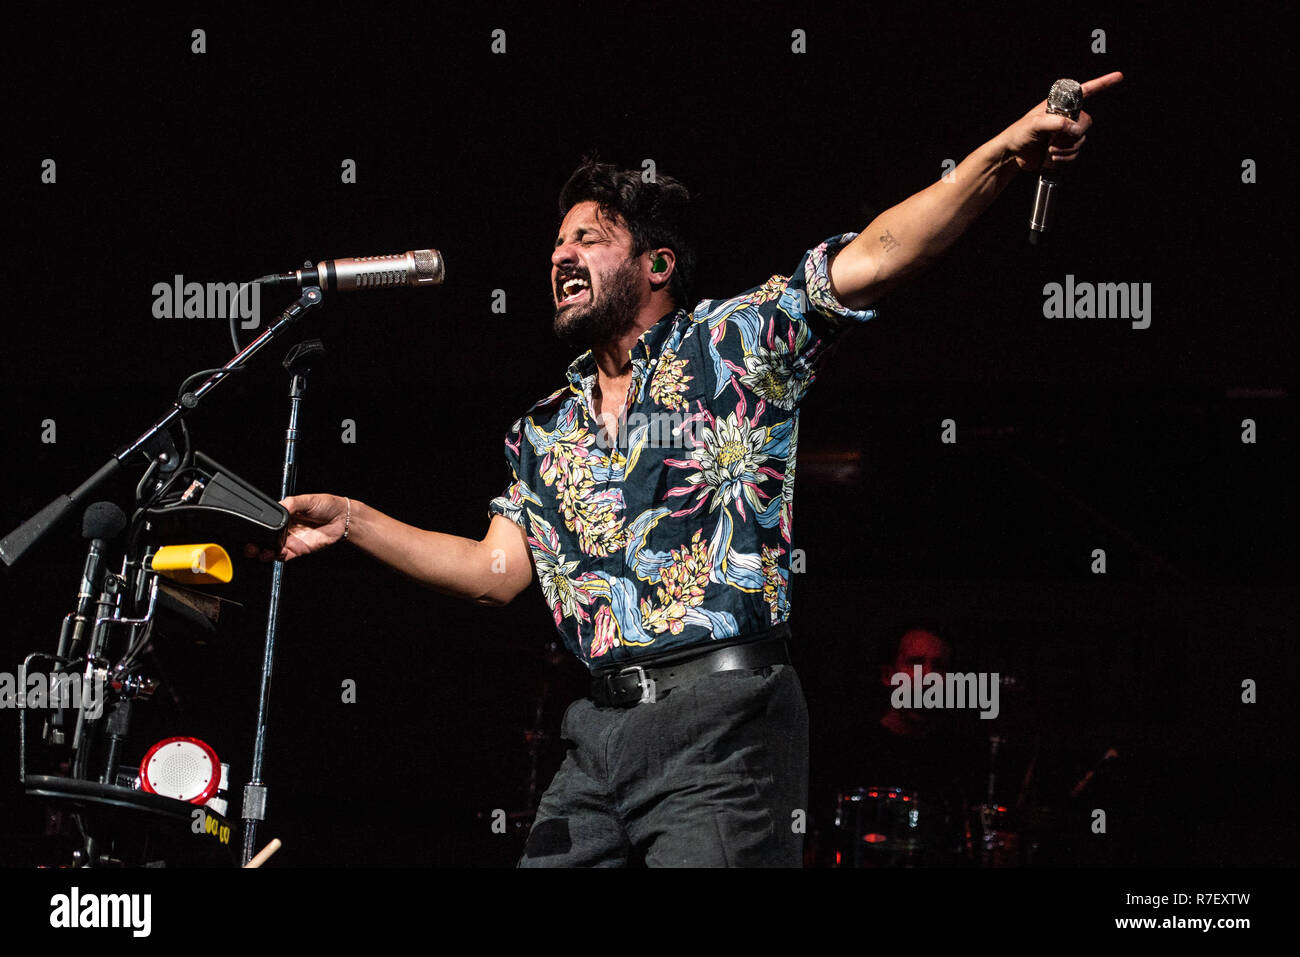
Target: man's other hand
x=1042, y=140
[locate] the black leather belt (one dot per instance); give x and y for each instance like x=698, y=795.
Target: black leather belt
x=644, y=683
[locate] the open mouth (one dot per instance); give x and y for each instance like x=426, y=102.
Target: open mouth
x=572, y=290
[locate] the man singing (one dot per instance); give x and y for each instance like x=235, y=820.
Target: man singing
x=652, y=495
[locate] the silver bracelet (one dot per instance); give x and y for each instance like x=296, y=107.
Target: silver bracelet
x=347, y=520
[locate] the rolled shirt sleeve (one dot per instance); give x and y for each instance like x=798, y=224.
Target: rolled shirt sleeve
x=816, y=272
x=510, y=503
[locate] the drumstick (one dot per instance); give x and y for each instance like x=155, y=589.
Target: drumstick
x=265, y=853
x=1078, y=788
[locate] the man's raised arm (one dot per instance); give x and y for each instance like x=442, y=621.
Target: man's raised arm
x=490, y=572
x=905, y=238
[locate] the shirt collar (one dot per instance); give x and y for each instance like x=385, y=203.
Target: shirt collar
x=646, y=348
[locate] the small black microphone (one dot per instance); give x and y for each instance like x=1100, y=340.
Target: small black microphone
x=419, y=267
x=102, y=523
x=1065, y=98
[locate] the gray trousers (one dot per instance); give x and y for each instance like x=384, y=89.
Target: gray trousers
x=713, y=774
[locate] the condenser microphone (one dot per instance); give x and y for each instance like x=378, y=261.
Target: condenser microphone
x=420, y=267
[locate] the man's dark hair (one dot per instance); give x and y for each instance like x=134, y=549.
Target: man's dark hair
x=657, y=214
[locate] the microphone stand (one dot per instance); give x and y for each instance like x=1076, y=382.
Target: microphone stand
x=35, y=528
x=298, y=363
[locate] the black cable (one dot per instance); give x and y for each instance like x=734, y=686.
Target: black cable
x=234, y=332
x=144, y=480
x=187, y=457
x=182, y=391
x=187, y=453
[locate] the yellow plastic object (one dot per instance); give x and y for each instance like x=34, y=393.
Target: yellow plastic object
x=194, y=564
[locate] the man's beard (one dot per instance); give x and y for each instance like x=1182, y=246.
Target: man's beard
x=605, y=319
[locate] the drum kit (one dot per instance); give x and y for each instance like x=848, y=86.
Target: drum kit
x=895, y=825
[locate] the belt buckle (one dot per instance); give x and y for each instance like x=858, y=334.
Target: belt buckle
x=647, y=684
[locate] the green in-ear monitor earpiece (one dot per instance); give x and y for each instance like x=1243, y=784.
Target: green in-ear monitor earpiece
x=658, y=265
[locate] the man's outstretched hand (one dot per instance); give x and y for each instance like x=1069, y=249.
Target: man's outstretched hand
x=1041, y=140
x=315, y=522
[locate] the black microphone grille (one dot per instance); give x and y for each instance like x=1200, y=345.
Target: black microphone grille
x=1066, y=96
x=102, y=520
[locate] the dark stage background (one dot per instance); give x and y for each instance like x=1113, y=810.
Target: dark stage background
x=1073, y=434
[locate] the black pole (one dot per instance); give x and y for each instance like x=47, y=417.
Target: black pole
x=298, y=362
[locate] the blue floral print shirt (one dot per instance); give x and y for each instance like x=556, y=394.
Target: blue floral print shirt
x=676, y=532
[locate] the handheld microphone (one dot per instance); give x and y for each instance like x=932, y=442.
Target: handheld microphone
x=420, y=267
x=1065, y=98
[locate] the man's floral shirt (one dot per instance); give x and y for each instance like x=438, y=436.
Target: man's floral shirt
x=677, y=532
